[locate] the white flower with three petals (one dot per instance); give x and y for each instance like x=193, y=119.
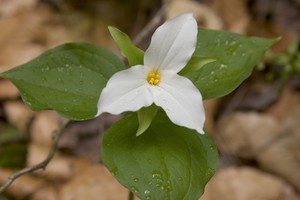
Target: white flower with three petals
x=157, y=81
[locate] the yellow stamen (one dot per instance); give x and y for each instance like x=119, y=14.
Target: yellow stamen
x=153, y=78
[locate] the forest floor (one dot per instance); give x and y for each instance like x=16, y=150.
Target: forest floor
x=256, y=128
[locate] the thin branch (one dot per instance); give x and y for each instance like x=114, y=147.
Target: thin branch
x=42, y=165
x=151, y=25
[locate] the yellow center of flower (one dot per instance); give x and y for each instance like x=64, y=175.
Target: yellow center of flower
x=153, y=78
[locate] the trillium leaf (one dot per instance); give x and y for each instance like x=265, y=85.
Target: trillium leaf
x=235, y=56
x=145, y=117
x=195, y=64
x=165, y=162
x=68, y=79
x=134, y=55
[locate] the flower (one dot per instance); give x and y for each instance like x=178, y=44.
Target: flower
x=157, y=81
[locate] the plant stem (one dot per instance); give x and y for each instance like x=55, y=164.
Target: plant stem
x=130, y=195
x=41, y=165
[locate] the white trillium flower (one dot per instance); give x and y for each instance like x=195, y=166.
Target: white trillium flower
x=157, y=81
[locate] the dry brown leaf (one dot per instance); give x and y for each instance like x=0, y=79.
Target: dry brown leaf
x=282, y=156
x=28, y=186
x=234, y=14
x=43, y=127
x=204, y=15
x=92, y=182
x=246, y=134
x=59, y=168
x=8, y=90
x=245, y=183
x=18, y=114
x=287, y=102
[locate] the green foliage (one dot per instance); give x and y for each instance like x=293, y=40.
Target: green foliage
x=221, y=61
x=165, y=162
x=234, y=55
x=289, y=60
x=6, y=197
x=134, y=55
x=68, y=79
x=145, y=117
x=13, y=155
x=13, y=150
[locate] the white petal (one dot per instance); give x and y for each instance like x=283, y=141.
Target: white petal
x=172, y=44
x=127, y=90
x=181, y=100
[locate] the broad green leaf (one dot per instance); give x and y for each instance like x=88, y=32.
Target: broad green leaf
x=165, y=162
x=145, y=117
x=234, y=55
x=68, y=79
x=134, y=55
x=195, y=64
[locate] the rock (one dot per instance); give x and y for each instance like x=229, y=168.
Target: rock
x=245, y=183
x=282, y=156
x=18, y=114
x=93, y=182
x=246, y=134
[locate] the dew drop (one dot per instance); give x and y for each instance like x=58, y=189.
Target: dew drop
x=223, y=66
x=233, y=43
x=146, y=191
x=158, y=184
x=114, y=171
x=134, y=189
x=135, y=179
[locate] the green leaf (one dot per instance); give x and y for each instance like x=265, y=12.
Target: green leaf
x=68, y=79
x=165, y=162
x=195, y=64
x=134, y=55
x=235, y=56
x=145, y=117
x=13, y=148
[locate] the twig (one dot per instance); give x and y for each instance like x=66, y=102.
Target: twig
x=42, y=165
x=151, y=25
